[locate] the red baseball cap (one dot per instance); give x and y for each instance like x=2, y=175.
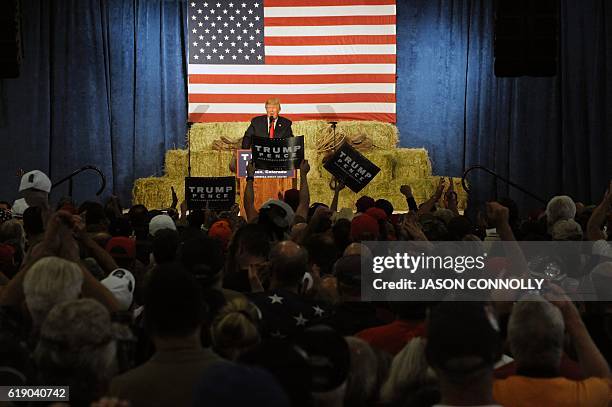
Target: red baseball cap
x=121, y=247
x=364, y=226
x=222, y=231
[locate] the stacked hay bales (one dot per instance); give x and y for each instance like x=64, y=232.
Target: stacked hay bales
x=377, y=141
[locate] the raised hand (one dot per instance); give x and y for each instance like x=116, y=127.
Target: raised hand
x=406, y=190
x=497, y=213
x=250, y=169
x=304, y=167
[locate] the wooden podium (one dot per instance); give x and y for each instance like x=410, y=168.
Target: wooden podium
x=264, y=188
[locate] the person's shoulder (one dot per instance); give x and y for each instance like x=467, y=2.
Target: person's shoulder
x=258, y=118
x=289, y=122
x=121, y=384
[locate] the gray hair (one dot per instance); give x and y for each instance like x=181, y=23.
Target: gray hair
x=559, y=208
x=536, y=333
x=48, y=282
x=409, y=371
x=76, y=340
x=566, y=229
x=445, y=215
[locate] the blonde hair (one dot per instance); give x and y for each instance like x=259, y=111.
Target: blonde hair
x=409, y=371
x=235, y=330
x=273, y=102
x=12, y=231
x=50, y=281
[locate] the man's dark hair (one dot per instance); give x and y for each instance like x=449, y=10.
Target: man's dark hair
x=322, y=251
x=120, y=226
x=196, y=218
x=385, y=206
x=33, y=221
x=411, y=310
x=459, y=226
x=288, y=265
x=463, y=339
x=202, y=257
x=173, y=302
x=342, y=234
x=138, y=216
x=292, y=198
x=94, y=213
x=165, y=246
x=250, y=239
x=8, y=205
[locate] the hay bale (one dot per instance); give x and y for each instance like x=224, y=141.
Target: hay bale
x=204, y=134
x=412, y=163
x=382, y=135
x=154, y=193
x=203, y=163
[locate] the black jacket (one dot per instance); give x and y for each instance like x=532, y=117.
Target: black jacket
x=259, y=128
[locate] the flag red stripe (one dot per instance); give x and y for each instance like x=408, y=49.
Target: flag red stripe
x=330, y=59
x=313, y=98
x=314, y=3
x=292, y=79
x=322, y=21
x=246, y=117
x=335, y=40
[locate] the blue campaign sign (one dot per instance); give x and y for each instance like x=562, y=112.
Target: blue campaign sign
x=243, y=157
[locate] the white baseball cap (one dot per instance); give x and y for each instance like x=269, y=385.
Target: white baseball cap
x=121, y=283
x=160, y=222
x=19, y=207
x=35, y=180
x=287, y=219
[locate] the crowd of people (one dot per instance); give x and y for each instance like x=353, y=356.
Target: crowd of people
x=141, y=307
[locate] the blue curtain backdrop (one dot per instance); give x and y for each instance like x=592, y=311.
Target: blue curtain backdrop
x=104, y=83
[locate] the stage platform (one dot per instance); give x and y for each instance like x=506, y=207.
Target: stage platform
x=212, y=145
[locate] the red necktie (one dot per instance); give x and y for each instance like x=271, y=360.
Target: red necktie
x=271, y=127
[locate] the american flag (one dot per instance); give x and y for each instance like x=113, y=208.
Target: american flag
x=324, y=59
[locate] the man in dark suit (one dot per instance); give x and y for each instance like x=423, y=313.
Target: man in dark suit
x=270, y=125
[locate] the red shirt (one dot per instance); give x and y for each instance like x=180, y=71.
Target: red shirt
x=394, y=336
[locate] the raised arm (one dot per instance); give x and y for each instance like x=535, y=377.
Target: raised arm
x=249, y=194
x=498, y=215
x=450, y=197
x=302, y=209
x=429, y=204
x=58, y=241
x=406, y=190
x=338, y=186
x=102, y=257
x=590, y=359
x=598, y=217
